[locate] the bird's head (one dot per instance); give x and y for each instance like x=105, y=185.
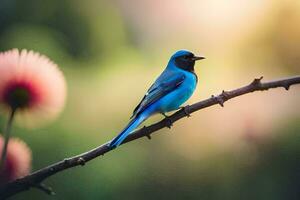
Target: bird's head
x=185, y=60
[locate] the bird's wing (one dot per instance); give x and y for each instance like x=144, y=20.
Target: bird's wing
x=162, y=86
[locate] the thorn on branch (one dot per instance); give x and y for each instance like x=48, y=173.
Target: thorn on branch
x=218, y=99
x=286, y=86
x=81, y=161
x=257, y=81
x=44, y=188
x=148, y=136
x=225, y=95
x=169, y=122
x=186, y=110
x=146, y=133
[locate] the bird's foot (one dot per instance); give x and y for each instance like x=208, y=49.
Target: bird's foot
x=169, y=121
x=146, y=132
x=186, y=110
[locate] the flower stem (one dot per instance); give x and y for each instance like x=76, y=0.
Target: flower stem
x=6, y=137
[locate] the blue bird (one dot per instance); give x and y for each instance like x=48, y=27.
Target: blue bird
x=171, y=89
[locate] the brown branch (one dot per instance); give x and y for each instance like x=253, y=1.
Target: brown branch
x=35, y=179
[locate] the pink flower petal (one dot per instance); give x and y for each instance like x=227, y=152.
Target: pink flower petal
x=18, y=160
x=37, y=75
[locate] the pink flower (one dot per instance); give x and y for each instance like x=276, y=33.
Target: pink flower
x=18, y=160
x=32, y=84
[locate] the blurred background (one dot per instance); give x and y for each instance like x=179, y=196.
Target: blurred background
x=111, y=52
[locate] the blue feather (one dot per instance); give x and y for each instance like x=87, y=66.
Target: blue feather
x=133, y=124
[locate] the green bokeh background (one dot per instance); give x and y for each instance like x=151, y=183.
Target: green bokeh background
x=111, y=51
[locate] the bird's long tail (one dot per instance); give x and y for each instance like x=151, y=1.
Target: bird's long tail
x=133, y=124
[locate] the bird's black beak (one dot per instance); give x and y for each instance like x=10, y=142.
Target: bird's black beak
x=198, y=58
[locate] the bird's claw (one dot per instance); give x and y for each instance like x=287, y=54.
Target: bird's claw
x=186, y=110
x=169, y=121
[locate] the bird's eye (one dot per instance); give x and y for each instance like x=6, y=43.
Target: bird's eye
x=185, y=57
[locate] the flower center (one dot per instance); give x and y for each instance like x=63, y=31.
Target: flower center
x=19, y=95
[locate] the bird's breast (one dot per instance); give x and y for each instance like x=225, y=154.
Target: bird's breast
x=188, y=87
x=180, y=95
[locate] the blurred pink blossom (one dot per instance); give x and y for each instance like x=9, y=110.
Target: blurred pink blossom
x=31, y=83
x=18, y=160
